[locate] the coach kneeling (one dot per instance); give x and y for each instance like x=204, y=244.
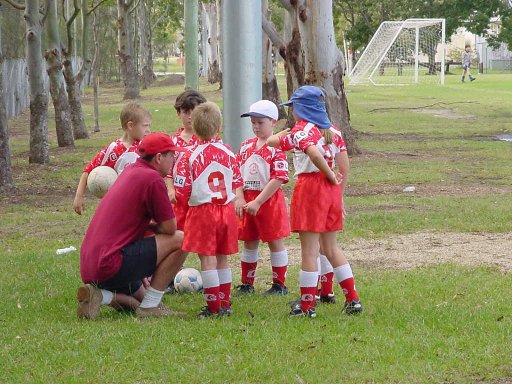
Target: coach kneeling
x=115, y=257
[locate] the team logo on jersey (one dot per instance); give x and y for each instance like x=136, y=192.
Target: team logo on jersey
x=281, y=165
x=300, y=135
x=253, y=169
x=179, y=181
x=112, y=156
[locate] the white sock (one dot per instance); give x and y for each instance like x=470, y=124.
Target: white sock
x=225, y=276
x=308, y=279
x=210, y=278
x=279, y=259
x=249, y=255
x=107, y=297
x=343, y=272
x=325, y=265
x=152, y=298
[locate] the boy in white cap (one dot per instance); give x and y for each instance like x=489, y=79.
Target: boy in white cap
x=317, y=204
x=263, y=213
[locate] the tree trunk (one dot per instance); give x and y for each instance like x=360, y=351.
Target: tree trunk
x=57, y=86
x=73, y=81
x=94, y=71
x=270, y=89
x=146, y=47
x=219, y=39
x=214, y=71
x=205, y=32
x=125, y=51
x=312, y=57
x=6, y=180
x=38, y=96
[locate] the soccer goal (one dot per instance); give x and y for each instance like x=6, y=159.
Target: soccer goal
x=403, y=52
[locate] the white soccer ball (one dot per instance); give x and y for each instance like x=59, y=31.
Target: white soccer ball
x=100, y=180
x=188, y=280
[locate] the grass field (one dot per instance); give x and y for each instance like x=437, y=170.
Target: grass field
x=446, y=323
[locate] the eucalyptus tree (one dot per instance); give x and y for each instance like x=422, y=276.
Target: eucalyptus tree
x=125, y=49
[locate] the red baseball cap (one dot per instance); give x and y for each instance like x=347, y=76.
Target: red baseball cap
x=157, y=143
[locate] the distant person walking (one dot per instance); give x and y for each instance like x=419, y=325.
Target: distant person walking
x=466, y=63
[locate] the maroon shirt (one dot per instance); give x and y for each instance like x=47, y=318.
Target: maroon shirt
x=138, y=195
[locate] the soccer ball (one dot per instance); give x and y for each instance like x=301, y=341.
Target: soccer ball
x=188, y=280
x=100, y=180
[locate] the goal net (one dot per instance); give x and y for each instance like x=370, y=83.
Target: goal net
x=403, y=52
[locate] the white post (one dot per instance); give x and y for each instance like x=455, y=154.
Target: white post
x=443, y=48
x=241, y=66
x=417, y=55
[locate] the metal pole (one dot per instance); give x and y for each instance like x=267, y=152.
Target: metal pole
x=417, y=55
x=191, y=45
x=443, y=48
x=242, y=66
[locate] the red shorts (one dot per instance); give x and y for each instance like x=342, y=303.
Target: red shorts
x=211, y=230
x=270, y=223
x=316, y=204
x=180, y=211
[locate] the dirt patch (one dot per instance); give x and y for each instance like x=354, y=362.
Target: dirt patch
x=173, y=79
x=445, y=113
x=423, y=249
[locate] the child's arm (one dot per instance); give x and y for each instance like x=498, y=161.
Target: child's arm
x=319, y=161
x=239, y=201
x=343, y=165
x=78, y=202
x=273, y=141
x=253, y=207
x=171, y=191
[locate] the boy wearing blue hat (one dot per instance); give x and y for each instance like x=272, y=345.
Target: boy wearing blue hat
x=318, y=148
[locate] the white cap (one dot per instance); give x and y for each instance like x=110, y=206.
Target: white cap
x=263, y=108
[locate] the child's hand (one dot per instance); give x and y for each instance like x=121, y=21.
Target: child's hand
x=252, y=207
x=78, y=204
x=335, y=178
x=284, y=132
x=239, y=207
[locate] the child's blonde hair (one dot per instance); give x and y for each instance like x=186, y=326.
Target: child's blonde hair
x=206, y=120
x=133, y=112
x=327, y=134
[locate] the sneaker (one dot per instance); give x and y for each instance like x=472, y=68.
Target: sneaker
x=170, y=289
x=353, y=307
x=472, y=78
x=276, y=289
x=205, y=312
x=298, y=312
x=160, y=311
x=89, y=302
x=328, y=299
x=244, y=289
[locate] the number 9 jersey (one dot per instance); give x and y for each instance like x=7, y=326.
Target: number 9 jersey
x=208, y=174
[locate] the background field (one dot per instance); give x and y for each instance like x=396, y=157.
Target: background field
x=440, y=323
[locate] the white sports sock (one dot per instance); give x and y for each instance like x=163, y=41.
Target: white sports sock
x=343, y=272
x=107, y=297
x=225, y=276
x=210, y=278
x=249, y=255
x=308, y=279
x=279, y=259
x=325, y=265
x=152, y=298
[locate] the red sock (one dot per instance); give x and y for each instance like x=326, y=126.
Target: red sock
x=307, y=297
x=279, y=274
x=225, y=295
x=248, y=272
x=349, y=289
x=326, y=283
x=212, y=297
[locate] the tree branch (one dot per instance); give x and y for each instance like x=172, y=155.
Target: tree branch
x=14, y=4
x=164, y=14
x=274, y=36
x=95, y=7
x=69, y=23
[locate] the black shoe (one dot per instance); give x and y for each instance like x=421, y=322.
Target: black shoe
x=227, y=311
x=170, y=289
x=472, y=78
x=205, y=312
x=328, y=299
x=298, y=312
x=353, y=307
x=245, y=289
x=276, y=289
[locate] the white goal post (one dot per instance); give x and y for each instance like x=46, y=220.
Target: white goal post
x=403, y=52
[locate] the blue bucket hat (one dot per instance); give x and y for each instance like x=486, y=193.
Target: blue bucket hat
x=309, y=104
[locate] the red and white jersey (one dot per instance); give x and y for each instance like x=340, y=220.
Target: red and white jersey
x=208, y=174
x=178, y=141
x=259, y=166
x=114, y=153
x=305, y=134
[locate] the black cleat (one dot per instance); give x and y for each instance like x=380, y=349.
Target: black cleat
x=276, y=289
x=353, y=307
x=244, y=289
